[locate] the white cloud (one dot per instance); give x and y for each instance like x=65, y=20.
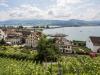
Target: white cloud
x=75, y=9
x=91, y=13
x=63, y=9
x=26, y=11
x=3, y=3
x=4, y=16
x=63, y=3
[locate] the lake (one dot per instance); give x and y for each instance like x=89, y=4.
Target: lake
x=76, y=33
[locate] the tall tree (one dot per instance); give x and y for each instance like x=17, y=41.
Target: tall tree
x=47, y=51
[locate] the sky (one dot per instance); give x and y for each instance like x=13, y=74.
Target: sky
x=50, y=9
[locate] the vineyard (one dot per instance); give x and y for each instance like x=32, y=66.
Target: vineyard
x=69, y=65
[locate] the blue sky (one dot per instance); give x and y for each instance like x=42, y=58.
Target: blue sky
x=50, y=9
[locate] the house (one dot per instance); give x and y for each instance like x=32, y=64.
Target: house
x=32, y=39
x=2, y=34
x=13, y=37
x=11, y=32
x=64, y=45
x=93, y=43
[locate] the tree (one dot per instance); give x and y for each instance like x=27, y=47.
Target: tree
x=20, y=27
x=22, y=40
x=47, y=26
x=2, y=42
x=47, y=51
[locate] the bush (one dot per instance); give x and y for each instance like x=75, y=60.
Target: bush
x=25, y=51
x=18, y=54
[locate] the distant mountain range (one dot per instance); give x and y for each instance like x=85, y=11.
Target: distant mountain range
x=72, y=22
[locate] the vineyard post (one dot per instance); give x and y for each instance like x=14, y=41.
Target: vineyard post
x=51, y=67
x=78, y=72
x=59, y=69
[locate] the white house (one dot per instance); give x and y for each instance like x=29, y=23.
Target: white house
x=12, y=36
x=93, y=43
x=14, y=40
x=2, y=35
x=32, y=39
x=65, y=46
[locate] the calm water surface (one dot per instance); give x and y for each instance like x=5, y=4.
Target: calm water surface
x=76, y=33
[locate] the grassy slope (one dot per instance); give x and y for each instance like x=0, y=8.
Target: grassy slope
x=82, y=65
x=70, y=65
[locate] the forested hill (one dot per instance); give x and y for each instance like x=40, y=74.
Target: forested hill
x=72, y=22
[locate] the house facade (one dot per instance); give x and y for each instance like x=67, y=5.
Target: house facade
x=32, y=39
x=13, y=37
x=13, y=40
x=93, y=43
x=2, y=34
x=64, y=45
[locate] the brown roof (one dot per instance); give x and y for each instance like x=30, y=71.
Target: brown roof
x=26, y=33
x=35, y=35
x=95, y=40
x=63, y=41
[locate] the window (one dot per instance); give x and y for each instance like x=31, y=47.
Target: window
x=68, y=46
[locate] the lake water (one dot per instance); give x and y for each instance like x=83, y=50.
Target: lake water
x=76, y=33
